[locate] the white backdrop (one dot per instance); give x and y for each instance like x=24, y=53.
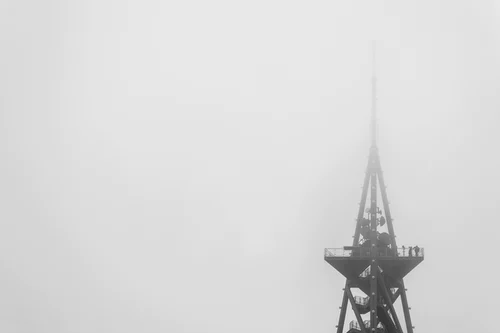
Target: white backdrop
x=179, y=166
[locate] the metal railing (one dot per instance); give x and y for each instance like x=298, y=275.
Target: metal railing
x=365, y=252
x=361, y=300
x=367, y=272
x=354, y=324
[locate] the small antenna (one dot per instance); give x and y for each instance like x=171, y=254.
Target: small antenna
x=374, y=98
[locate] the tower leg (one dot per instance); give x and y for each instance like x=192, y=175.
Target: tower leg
x=373, y=295
x=387, y=211
x=406, y=310
x=343, y=310
x=361, y=210
x=388, y=300
x=373, y=243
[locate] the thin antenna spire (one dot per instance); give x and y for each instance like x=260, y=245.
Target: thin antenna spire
x=374, y=98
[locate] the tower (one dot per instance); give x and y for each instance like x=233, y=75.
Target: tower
x=374, y=264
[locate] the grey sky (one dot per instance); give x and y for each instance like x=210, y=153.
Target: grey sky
x=179, y=166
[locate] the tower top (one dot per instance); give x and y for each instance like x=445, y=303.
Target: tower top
x=374, y=99
x=374, y=264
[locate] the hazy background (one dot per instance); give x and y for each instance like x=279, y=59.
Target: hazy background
x=179, y=166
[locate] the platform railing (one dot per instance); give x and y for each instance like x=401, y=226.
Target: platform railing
x=365, y=252
x=354, y=324
x=361, y=300
x=367, y=272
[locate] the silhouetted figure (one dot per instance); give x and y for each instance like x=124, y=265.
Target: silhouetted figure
x=409, y=251
x=404, y=249
x=416, y=250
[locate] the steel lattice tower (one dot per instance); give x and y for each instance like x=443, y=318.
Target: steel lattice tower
x=374, y=264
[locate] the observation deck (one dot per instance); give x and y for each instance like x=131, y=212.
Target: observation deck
x=351, y=261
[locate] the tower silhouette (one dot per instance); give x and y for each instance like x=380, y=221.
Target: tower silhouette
x=374, y=264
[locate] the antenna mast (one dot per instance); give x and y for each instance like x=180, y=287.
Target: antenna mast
x=374, y=99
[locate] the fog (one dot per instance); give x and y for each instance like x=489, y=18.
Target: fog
x=179, y=166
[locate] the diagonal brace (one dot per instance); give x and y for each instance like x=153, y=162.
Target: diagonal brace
x=388, y=300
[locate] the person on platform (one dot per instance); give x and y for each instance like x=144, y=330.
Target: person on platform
x=410, y=251
x=417, y=249
x=404, y=251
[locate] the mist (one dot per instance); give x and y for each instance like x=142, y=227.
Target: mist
x=179, y=166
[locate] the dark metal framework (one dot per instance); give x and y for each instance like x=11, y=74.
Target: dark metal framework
x=374, y=264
